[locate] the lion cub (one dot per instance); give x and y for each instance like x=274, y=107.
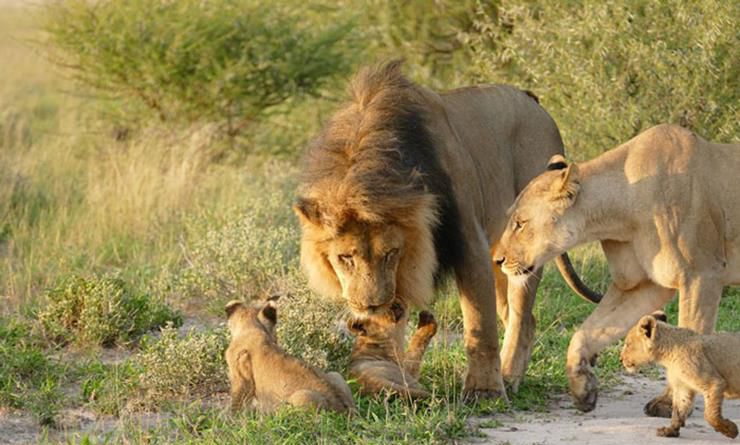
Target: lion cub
x=376, y=362
x=259, y=369
x=694, y=363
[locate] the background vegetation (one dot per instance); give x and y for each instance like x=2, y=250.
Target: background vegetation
x=148, y=156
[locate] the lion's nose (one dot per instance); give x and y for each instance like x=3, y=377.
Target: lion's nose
x=499, y=261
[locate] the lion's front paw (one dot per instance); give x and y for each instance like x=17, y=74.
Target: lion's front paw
x=483, y=387
x=667, y=431
x=661, y=406
x=583, y=386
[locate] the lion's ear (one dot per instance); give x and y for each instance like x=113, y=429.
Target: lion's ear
x=648, y=325
x=566, y=186
x=308, y=211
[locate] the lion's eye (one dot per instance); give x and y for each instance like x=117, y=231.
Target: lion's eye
x=391, y=254
x=347, y=260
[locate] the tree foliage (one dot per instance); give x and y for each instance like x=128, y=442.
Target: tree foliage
x=225, y=61
x=608, y=70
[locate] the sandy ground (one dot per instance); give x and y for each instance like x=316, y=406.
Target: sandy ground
x=617, y=420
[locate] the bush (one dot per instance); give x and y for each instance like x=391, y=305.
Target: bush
x=178, y=369
x=100, y=311
x=28, y=378
x=224, y=61
x=609, y=70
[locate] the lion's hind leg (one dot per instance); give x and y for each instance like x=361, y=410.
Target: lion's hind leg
x=425, y=331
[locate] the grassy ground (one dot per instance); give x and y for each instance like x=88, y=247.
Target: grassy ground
x=152, y=231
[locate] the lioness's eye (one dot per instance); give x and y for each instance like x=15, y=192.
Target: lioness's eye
x=391, y=254
x=347, y=260
x=518, y=224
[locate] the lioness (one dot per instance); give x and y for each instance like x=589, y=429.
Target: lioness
x=259, y=369
x=376, y=362
x=665, y=207
x=706, y=364
x=404, y=184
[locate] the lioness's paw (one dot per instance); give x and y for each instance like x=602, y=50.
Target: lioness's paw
x=667, y=431
x=583, y=386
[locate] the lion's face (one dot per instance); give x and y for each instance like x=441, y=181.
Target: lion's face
x=639, y=344
x=365, y=260
x=540, y=226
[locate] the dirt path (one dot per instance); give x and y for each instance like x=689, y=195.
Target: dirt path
x=617, y=420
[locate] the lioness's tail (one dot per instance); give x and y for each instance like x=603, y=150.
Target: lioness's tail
x=571, y=277
x=425, y=330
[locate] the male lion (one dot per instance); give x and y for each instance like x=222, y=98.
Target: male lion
x=376, y=362
x=404, y=184
x=259, y=369
x=665, y=207
x=707, y=364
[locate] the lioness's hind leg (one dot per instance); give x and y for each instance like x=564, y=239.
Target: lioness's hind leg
x=425, y=330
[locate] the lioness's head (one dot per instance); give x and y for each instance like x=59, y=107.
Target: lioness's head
x=255, y=320
x=540, y=225
x=639, y=344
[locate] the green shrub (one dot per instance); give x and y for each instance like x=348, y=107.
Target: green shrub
x=28, y=378
x=608, y=70
x=100, y=311
x=224, y=61
x=174, y=368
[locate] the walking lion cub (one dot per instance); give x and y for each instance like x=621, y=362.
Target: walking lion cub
x=379, y=364
x=260, y=370
x=694, y=363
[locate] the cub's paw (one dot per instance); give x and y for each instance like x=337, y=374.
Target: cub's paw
x=728, y=428
x=667, y=431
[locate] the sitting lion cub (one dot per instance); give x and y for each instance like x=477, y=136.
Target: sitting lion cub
x=694, y=363
x=259, y=369
x=376, y=362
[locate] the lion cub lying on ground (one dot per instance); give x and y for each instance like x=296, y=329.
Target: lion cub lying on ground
x=376, y=362
x=259, y=369
x=707, y=364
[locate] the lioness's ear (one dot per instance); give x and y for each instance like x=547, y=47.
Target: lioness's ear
x=231, y=307
x=566, y=186
x=557, y=162
x=648, y=325
x=307, y=210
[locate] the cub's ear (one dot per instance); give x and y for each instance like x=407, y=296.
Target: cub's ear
x=308, y=211
x=269, y=313
x=648, y=325
x=566, y=185
x=660, y=316
x=231, y=306
x=356, y=326
x=557, y=162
